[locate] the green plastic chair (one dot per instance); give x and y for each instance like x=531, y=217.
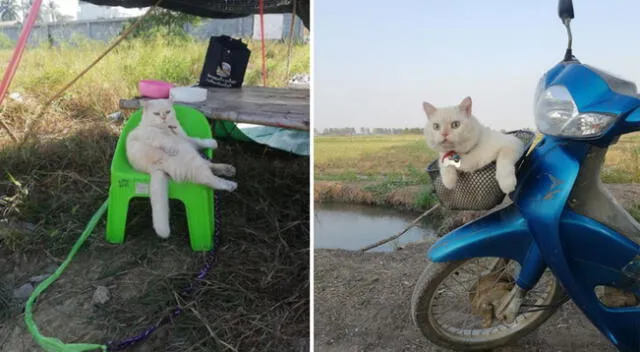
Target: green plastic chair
x=127, y=183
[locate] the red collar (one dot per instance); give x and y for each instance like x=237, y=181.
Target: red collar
x=448, y=154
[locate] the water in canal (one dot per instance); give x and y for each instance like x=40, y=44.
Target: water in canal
x=352, y=227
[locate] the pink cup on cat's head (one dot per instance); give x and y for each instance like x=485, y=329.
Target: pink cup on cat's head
x=151, y=88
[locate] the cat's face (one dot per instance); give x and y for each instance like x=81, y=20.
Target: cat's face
x=159, y=111
x=450, y=127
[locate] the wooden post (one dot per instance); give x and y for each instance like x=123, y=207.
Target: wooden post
x=291, y=27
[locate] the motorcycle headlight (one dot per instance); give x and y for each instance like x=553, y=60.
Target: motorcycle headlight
x=556, y=114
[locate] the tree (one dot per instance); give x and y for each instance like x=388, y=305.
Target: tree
x=9, y=10
x=51, y=12
x=25, y=7
x=164, y=22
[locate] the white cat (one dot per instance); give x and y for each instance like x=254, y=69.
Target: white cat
x=160, y=147
x=454, y=130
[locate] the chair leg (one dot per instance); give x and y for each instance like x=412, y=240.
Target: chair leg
x=200, y=220
x=117, y=211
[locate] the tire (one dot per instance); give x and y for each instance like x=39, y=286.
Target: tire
x=424, y=292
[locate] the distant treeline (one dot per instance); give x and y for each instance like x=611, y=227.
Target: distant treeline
x=346, y=131
x=349, y=131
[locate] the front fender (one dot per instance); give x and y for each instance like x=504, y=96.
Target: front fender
x=502, y=233
x=544, y=185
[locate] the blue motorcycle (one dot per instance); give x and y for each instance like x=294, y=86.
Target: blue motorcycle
x=562, y=237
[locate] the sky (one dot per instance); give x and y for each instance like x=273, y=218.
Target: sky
x=375, y=62
x=70, y=7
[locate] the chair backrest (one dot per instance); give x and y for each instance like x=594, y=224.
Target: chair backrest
x=194, y=123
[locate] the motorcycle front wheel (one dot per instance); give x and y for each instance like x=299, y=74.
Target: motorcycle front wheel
x=441, y=305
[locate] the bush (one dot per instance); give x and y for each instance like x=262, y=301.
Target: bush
x=162, y=23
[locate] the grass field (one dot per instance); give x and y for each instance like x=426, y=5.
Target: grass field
x=380, y=164
x=385, y=163
x=353, y=158
x=256, y=297
x=44, y=70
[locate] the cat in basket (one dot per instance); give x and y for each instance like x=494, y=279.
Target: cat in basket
x=160, y=147
x=464, y=144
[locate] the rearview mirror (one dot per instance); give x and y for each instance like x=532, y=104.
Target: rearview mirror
x=565, y=10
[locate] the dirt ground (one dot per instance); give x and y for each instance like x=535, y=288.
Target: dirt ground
x=362, y=303
x=255, y=298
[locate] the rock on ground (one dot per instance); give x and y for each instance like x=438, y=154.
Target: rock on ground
x=300, y=81
x=101, y=295
x=23, y=292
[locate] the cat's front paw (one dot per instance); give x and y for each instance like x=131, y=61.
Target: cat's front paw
x=211, y=143
x=507, y=183
x=449, y=177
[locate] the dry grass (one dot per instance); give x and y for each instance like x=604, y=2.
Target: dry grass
x=331, y=191
x=116, y=76
x=256, y=297
x=622, y=164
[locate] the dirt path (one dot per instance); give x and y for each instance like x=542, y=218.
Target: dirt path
x=362, y=303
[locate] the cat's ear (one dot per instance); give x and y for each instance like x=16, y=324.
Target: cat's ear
x=145, y=104
x=171, y=101
x=465, y=106
x=428, y=109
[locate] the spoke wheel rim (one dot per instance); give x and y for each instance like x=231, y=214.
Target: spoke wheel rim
x=539, y=295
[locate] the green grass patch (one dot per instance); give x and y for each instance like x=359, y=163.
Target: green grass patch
x=384, y=164
x=426, y=198
x=634, y=211
x=377, y=157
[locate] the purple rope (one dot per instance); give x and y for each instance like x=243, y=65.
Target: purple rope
x=209, y=262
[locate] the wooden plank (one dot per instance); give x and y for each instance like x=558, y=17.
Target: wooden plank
x=278, y=107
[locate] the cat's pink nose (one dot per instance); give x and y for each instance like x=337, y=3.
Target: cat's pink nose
x=445, y=134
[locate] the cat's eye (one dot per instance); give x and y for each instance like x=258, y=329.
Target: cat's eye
x=156, y=113
x=436, y=126
x=455, y=124
x=168, y=111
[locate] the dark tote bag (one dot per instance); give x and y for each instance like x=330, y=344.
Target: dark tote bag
x=226, y=63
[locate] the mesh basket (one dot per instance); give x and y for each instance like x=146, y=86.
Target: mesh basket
x=478, y=190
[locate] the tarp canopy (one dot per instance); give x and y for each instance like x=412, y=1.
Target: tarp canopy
x=220, y=8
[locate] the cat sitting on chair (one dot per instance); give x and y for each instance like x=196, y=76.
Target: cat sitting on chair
x=464, y=143
x=160, y=147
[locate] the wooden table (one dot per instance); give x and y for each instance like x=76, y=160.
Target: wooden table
x=278, y=107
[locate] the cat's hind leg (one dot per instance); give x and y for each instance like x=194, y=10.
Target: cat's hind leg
x=205, y=176
x=222, y=169
x=159, y=194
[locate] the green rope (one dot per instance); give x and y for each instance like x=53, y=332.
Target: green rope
x=52, y=344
